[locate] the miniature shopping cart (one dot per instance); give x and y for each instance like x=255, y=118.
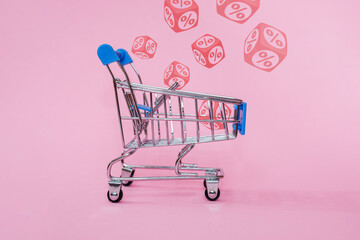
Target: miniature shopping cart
x=167, y=117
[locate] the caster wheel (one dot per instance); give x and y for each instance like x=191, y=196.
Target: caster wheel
x=204, y=183
x=128, y=183
x=117, y=199
x=212, y=198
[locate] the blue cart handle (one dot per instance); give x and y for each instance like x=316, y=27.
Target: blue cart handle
x=107, y=55
x=242, y=118
x=123, y=56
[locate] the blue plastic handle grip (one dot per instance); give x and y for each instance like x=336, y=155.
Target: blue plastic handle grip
x=242, y=118
x=124, y=56
x=107, y=54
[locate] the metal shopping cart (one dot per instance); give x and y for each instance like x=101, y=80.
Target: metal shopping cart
x=163, y=109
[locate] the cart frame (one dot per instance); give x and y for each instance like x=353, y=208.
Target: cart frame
x=141, y=115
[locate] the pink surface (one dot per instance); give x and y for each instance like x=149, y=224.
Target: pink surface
x=294, y=175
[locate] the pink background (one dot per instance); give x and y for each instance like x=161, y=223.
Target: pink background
x=294, y=175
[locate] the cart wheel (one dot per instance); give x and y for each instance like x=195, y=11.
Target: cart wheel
x=117, y=199
x=204, y=183
x=212, y=198
x=128, y=183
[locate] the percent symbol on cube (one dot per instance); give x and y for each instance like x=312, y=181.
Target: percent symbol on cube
x=273, y=34
x=150, y=46
x=215, y=55
x=182, y=70
x=187, y=20
x=181, y=3
x=251, y=41
x=138, y=43
x=199, y=57
x=205, y=40
x=265, y=59
x=204, y=111
x=168, y=71
x=169, y=17
x=236, y=10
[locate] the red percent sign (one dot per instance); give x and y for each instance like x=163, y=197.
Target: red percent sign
x=168, y=71
x=237, y=12
x=181, y=3
x=150, y=46
x=274, y=37
x=170, y=17
x=251, y=41
x=199, y=57
x=215, y=54
x=204, y=111
x=141, y=55
x=265, y=59
x=187, y=20
x=203, y=42
x=182, y=70
x=138, y=42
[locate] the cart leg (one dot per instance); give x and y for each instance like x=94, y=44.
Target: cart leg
x=126, y=153
x=115, y=193
x=212, y=191
x=185, y=150
x=127, y=172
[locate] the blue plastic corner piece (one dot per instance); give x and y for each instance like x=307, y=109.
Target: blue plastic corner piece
x=243, y=108
x=242, y=118
x=107, y=54
x=124, y=56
